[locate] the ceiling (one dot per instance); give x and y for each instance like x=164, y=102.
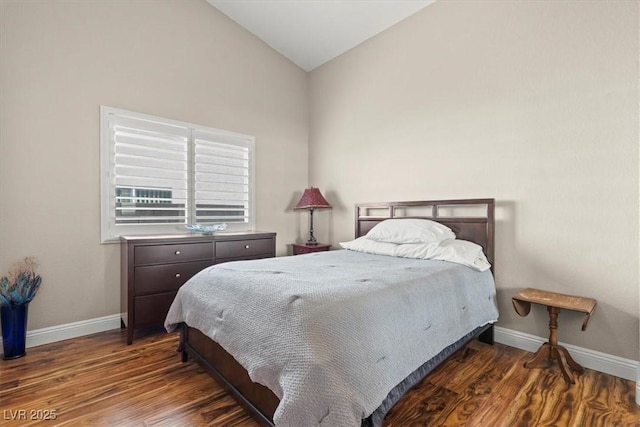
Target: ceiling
x=312, y=32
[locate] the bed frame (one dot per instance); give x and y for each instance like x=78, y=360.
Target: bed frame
x=470, y=219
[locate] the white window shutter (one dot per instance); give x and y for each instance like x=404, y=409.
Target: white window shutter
x=160, y=174
x=222, y=178
x=149, y=171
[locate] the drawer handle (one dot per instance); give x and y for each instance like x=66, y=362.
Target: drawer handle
x=177, y=274
x=177, y=252
x=246, y=246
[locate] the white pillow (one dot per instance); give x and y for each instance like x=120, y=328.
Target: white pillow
x=457, y=251
x=463, y=252
x=410, y=230
x=362, y=244
x=417, y=250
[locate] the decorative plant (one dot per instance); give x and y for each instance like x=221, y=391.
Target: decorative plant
x=22, y=283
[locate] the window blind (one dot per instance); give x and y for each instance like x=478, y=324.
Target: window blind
x=160, y=174
x=222, y=174
x=150, y=178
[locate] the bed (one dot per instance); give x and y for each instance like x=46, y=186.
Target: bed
x=322, y=367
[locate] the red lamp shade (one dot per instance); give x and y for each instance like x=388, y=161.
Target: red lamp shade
x=312, y=199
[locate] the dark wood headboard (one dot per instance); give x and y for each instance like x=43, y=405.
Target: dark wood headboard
x=470, y=219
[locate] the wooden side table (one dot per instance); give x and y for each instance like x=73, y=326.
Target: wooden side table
x=299, y=249
x=554, y=303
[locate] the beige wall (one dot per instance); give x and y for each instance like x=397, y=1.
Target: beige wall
x=533, y=103
x=60, y=60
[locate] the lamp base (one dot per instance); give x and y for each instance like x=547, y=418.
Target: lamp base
x=311, y=243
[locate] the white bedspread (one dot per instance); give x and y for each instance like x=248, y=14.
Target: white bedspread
x=331, y=333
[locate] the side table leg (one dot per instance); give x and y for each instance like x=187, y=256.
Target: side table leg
x=541, y=357
x=562, y=363
x=553, y=325
x=572, y=363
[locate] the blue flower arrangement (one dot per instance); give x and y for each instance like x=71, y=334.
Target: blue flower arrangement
x=21, y=285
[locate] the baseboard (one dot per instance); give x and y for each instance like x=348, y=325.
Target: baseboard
x=601, y=362
x=71, y=330
x=638, y=387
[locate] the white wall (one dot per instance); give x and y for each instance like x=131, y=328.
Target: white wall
x=533, y=103
x=177, y=59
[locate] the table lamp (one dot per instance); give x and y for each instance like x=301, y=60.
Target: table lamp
x=312, y=199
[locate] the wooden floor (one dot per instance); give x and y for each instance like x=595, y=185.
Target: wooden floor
x=99, y=381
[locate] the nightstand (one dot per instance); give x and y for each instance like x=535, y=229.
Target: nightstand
x=554, y=302
x=299, y=249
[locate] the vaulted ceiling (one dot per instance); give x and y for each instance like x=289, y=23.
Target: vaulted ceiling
x=312, y=32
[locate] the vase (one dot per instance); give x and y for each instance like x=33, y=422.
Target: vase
x=14, y=330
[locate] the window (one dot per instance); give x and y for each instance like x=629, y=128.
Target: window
x=159, y=175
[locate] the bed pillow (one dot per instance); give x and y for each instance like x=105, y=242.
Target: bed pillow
x=463, y=252
x=410, y=230
x=457, y=251
x=363, y=244
x=452, y=250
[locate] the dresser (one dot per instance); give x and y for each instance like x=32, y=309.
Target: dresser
x=154, y=267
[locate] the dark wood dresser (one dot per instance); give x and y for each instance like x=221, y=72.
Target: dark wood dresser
x=154, y=267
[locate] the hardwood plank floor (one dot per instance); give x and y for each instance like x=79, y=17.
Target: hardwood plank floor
x=97, y=380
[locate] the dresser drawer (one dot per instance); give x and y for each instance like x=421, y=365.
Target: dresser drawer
x=180, y=252
x=152, y=309
x=243, y=248
x=164, y=278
